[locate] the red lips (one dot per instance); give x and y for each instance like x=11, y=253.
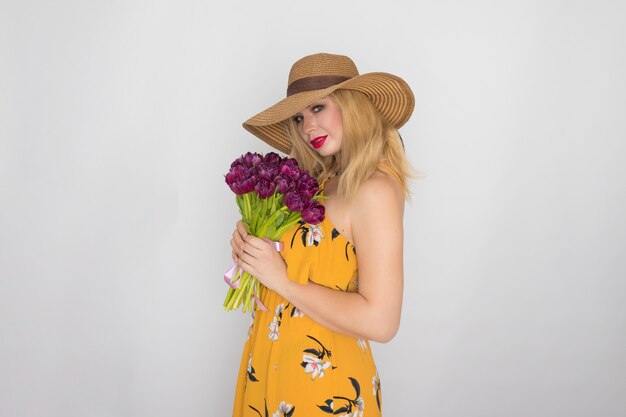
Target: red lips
x=318, y=141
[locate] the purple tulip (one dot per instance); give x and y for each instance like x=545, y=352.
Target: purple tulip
x=251, y=160
x=244, y=161
x=289, y=167
x=237, y=162
x=313, y=212
x=240, y=179
x=272, y=159
x=235, y=188
x=264, y=188
x=236, y=174
x=307, y=185
x=284, y=184
x=244, y=186
x=294, y=201
x=265, y=174
x=267, y=171
x=248, y=184
x=230, y=178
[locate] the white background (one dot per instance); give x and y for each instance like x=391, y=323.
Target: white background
x=118, y=120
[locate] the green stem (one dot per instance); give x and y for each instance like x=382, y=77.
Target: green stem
x=246, y=205
x=243, y=287
x=288, y=224
x=229, y=295
x=270, y=221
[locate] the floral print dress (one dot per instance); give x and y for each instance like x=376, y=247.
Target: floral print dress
x=292, y=366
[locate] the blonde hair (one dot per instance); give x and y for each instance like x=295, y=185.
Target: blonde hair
x=368, y=142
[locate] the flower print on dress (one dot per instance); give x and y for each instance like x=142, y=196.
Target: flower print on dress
x=295, y=312
x=314, y=365
x=360, y=406
x=335, y=234
x=313, y=360
x=273, y=334
x=279, y=310
x=348, y=244
x=275, y=324
x=349, y=407
x=310, y=234
x=284, y=410
x=362, y=344
x=376, y=389
x=315, y=235
x=251, y=371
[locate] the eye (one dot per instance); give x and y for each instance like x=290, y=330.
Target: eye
x=317, y=108
x=297, y=118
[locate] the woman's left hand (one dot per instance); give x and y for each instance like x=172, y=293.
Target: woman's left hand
x=259, y=258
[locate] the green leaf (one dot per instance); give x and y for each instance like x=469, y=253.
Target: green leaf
x=280, y=218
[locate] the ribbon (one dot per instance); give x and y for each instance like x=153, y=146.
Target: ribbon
x=258, y=301
x=277, y=245
x=229, y=275
x=236, y=270
x=316, y=82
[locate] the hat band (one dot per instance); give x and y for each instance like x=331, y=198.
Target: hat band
x=314, y=83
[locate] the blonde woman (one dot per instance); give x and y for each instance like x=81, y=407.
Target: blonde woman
x=336, y=285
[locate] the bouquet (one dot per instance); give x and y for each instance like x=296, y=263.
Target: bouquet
x=273, y=194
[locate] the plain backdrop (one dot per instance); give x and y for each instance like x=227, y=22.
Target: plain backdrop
x=118, y=120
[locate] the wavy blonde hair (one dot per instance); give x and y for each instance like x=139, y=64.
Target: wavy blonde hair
x=368, y=143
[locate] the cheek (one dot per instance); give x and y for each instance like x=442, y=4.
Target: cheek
x=338, y=125
x=297, y=128
x=303, y=136
x=334, y=118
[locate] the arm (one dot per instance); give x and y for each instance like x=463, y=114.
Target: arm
x=374, y=311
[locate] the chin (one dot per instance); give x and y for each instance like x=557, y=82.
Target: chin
x=328, y=152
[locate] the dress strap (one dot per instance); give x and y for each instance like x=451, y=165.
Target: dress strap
x=327, y=178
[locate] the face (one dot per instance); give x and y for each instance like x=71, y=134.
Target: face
x=320, y=126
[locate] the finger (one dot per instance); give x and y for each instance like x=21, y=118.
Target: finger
x=237, y=238
x=241, y=228
x=236, y=242
x=255, y=242
x=235, y=250
x=244, y=266
x=270, y=242
x=251, y=251
x=247, y=263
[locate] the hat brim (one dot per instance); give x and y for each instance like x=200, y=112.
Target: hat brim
x=390, y=94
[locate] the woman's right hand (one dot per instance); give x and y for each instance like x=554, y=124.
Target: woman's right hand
x=236, y=242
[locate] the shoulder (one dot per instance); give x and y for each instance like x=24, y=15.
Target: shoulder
x=378, y=201
x=381, y=189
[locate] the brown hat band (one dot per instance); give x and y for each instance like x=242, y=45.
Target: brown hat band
x=314, y=83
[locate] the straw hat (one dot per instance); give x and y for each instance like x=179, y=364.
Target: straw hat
x=316, y=76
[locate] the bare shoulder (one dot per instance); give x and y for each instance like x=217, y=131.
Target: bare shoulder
x=378, y=205
x=381, y=190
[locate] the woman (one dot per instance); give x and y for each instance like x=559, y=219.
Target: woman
x=309, y=355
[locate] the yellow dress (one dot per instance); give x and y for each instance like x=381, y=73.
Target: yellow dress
x=292, y=366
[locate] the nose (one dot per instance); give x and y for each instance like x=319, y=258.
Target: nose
x=308, y=124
